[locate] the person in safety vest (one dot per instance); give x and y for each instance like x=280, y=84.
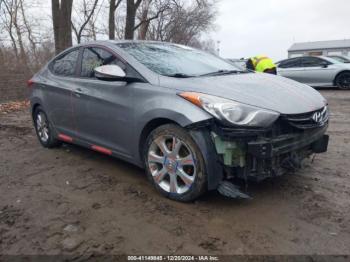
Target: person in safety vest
x=261, y=64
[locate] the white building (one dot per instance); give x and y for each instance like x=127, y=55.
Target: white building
x=334, y=47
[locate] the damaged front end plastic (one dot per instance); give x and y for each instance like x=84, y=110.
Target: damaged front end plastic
x=263, y=157
x=257, y=154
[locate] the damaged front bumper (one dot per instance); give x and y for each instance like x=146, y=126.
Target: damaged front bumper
x=316, y=141
x=256, y=153
x=257, y=156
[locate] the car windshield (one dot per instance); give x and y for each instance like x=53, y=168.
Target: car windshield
x=341, y=59
x=331, y=59
x=177, y=60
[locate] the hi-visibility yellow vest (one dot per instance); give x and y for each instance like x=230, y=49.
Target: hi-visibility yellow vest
x=261, y=63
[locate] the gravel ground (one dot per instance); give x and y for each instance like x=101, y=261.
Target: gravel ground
x=72, y=201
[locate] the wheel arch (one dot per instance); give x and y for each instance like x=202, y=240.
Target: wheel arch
x=34, y=107
x=156, y=117
x=148, y=128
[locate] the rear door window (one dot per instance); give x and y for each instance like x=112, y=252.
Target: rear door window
x=312, y=62
x=66, y=64
x=290, y=63
x=94, y=57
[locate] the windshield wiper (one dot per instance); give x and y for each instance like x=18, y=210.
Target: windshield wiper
x=224, y=72
x=219, y=72
x=179, y=75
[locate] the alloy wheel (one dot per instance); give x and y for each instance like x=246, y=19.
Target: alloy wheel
x=42, y=127
x=344, y=81
x=171, y=164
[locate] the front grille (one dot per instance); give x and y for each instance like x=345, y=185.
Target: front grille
x=309, y=120
x=285, y=125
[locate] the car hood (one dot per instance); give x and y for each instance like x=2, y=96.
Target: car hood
x=257, y=89
x=343, y=65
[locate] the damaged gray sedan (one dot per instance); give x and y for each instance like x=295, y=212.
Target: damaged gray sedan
x=194, y=121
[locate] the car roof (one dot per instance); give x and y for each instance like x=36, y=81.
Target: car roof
x=329, y=59
x=121, y=42
x=319, y=56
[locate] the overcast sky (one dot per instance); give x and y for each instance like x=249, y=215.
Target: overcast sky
x=268, y=27
x=252, y=27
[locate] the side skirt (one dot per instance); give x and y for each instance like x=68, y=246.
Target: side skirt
x=96, y=148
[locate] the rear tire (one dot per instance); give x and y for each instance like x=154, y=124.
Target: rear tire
x=174, y=163
x=44, y=129
x=343, y=81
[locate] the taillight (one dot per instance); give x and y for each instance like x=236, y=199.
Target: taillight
x=30, y=82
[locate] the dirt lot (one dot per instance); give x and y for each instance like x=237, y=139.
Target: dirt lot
x=72, y=200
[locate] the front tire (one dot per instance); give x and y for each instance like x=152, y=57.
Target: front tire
x=174, y=163
x=343, y=81
x=44, y=129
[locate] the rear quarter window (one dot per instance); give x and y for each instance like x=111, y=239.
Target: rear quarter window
x=66, y=65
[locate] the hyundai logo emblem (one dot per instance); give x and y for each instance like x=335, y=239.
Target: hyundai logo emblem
x=317, y=117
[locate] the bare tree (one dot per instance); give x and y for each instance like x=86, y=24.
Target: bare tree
x=120, y=18
x=131, y=9
x=184, y=24
x=87, y=15
x=8, y=17
x=26, y=42
x=29, y=30
x=17, y=26
x=20, y=29
x=181, y=21
x=151, y=10
x=14, y=23
x=93, y=29
x=92, y=32
x=113, y=5
x=144, y=23
x=61, y=19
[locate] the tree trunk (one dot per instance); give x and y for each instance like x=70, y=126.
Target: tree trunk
x=65, y=21
x=145, y=23
x=29, y=32
x=55, y=5
x=19, y=37
x=9, y=9
x=131, y=8
x=93, y=30
x=130, y=19
x=111, y=20
x=61, y=18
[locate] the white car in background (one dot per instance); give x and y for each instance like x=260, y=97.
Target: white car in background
x=318, y=71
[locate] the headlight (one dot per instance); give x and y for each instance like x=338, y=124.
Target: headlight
x=233, y=112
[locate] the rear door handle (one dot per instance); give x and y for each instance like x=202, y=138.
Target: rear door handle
x=78, y=92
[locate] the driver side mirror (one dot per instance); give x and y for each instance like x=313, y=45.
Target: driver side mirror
x=110, y=73
x=325, y=64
